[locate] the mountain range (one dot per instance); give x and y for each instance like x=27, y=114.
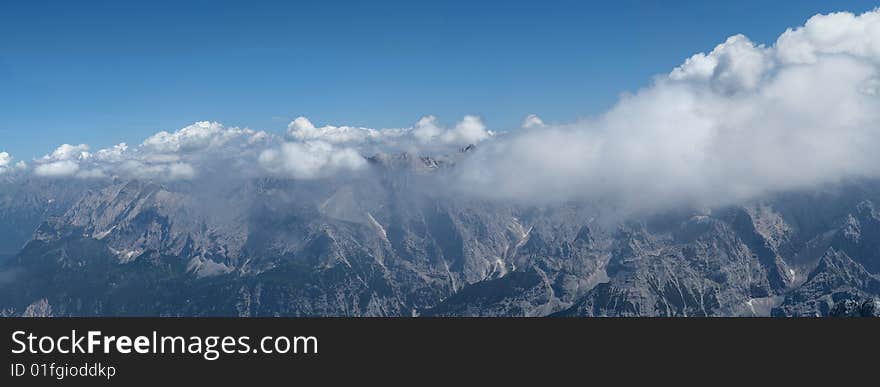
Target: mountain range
x=391, y=242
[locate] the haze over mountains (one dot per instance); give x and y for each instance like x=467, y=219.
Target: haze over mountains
x=743, y=182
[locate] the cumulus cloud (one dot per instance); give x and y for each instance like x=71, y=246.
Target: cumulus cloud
x=63, y=161
x=310, y=160
x=195, y=137
x=113, y=154
x=736, y=65
x=427, y=129
x=303, y=130
x=470, y=130
x=5, y=162
x=533, y=121
x=67, y=160
x=740, y=121
x=164, y=156
x=57, y=168
x=836, y=33
x=7, y=165
x=319, y=151
x=305, y=151
x=67, y=152
x=427, y=133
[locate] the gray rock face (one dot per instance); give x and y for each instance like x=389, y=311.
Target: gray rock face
x=26, y=202
x=834, y=283
x=388, y=243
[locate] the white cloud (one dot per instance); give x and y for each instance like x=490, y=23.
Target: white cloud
x=427, y=129
x=303, y=130
x=309, y=152
x=61, y=168
x=735, y=65
x=163, y=156
x=533, y=121
x=67, y=152
x=741, y=121
x=197, y=136
x=310, y=160
x=113, y=154
x=63, y=161
x=5, y=162
x=470, y=130
x=835, y=33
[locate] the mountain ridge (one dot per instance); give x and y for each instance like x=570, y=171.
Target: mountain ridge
x=382, y=244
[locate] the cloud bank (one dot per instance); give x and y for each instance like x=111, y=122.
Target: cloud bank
x=739, y=121
x=312, y=152
x=305, y=151
x=162, y=156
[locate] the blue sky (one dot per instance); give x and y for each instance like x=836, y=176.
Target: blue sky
x=105, y=72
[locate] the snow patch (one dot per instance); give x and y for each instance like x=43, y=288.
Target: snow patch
x=125, y=255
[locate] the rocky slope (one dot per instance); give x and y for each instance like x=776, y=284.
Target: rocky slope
x=387, y=243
